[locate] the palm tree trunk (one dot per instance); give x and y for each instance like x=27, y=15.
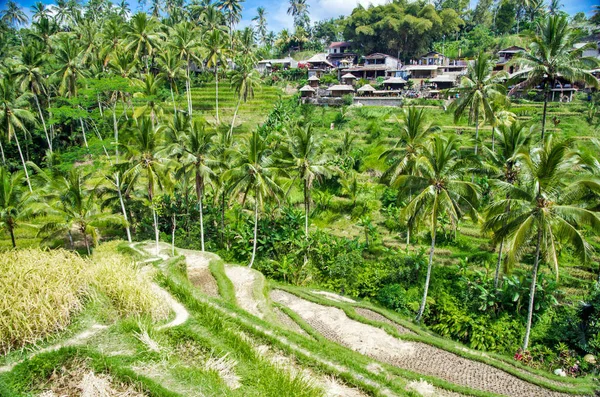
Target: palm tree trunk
x=116, y=129
x=237, y=106
x=493, y=138
x=545, y=111
x=155, y=218
x=87, y=244
x=223, y=219
x=173, y=99
x=23, y=161
x=306, y=215
x=71, y=240
x=498, y=263
x=532, y=288
x=83, y=132
x=12, y=236
x=118, y=184
x=255, y=231
x=37, y=102
x=2, y=152
x=429, y=266
x=217, y=92
x=201, y=210
x=173, y=235
x=476, y=129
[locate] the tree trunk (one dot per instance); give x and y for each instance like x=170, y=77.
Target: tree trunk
x=188, y=88
x=173, y=235
x=237, y=106
x=118, y=184
x=532, y=288
x=493, y=138
x=23, y=161
x=255, y=231
x=155, y=218
x=2, y=152
x=83, y=132
x=116, y=129
x=223, y=219
x=173, y=99
x=476, y=129
x=306, y=215
x=71, y=240
x=12, y=236
x=217, y=92
x=429, y=266
x=37, y=102
x=200, y=209
x=86, y=242
x=545, y=111
x=498, y=263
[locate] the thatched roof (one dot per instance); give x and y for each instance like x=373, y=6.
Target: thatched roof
x=366, y=88
x=349, y=76
x=394, y=80
x=307, y=88
x=314, y=78
x=341, y=87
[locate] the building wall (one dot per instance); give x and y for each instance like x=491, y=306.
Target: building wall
x=375, y=101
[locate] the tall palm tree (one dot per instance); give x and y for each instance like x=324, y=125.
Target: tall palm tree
x=513, y=142
x=439, y=192
x=552, y=53
x=253, y=173
x=195, y=149
x=212, y=19
x=32, y=79
x=13, y=204
x=143, y=37
x=544, y=211
x=233, y=12
x=215, y=45
x=415, y=132
x=261, y=23
x=184, y=39
x=146, y=164
x=298, y=9
x=68, y=54
x=14, y=115
x=73, y=207
x=123, y=9
x=477, y=90
x=244, y=80
x=148, y=90
x=171, y=70
x=13, y=15
x=306, y=156
x=39, y=10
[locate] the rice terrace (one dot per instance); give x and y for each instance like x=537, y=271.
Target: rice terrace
x=307, y=198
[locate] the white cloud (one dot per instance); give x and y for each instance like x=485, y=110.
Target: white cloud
x=325, y=9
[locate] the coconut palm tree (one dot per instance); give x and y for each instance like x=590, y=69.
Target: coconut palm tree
x=31, y=77
x=146, y=163
x=552, y=53
x=244, y=80
x=544, y=211
x=306, y=156
x=215, y=45
x=415, y=132
x=253, y=173
x=185, y=40
x=39, y=10
x=13, y=203
x=72, y=207
x=143, y=37
x=233, y=12
x=261, y=23
x=439, y=192
x=171, y=70
x=123, y=9
x=68, y=56
x=477, y=90
x=14, y=116
x=195, y=149
x=149, y=88
x=212, y=19
x=13, y=15
x=513, y=142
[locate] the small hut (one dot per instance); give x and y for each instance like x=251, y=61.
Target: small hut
x=340, y=90
x=394, y=83
x=313, y=81
x=307, y=91
x=348, y=79
x=365, y=90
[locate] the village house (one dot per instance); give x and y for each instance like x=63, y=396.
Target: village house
x=375, y=65
x=340, y=90
x=340, y=54
x=266, y=66
x=504, y=58
x=317, y=65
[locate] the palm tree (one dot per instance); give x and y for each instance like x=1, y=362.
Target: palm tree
x=13, y=204
x=415, y=132
x=145, y=161
x=440, y=192
x=143, y=36
x=171, y=69
x=149, y=89
x=544, y=211
x=75, y=208
x=13, y=15
x=306, y=155
x=185, y=41
x=477, y=90
x=552, y=53
x=123, y=9
x=212, y=19
x=68, y=56
x=233, y=12
x=513, y=143
x=298, y=9
x=195, y=149
x=31, y=76
x=112, y=189
x=261, y=23
x=215, y=45
x=39, y=10
x=253, y=173
x=244, y=80
x=14, y=115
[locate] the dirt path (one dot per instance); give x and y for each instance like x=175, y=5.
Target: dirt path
x=333, y=324
x=181, y=313
x=198, y=271
x=245, y=282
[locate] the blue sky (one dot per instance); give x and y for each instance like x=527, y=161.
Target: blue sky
x=277, y=17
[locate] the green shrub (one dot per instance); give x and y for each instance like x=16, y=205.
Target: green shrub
x=393, y=297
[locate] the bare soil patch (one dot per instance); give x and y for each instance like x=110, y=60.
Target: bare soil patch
x=374, y=316
x=244, y=280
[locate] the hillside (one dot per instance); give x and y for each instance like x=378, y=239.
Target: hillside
x=232, y=332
